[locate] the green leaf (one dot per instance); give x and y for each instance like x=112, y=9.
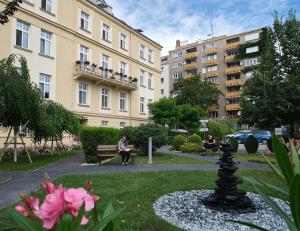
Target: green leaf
x=77, y=222
x=108, y=210
x=66, y=222
x=295, y=158
x=295, y=200
x=23, y=222
x=249, y=225
x=110, y=227
x=283, y=159
x=96, y=216
x=275, y=170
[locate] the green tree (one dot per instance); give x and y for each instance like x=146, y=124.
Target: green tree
x=164, y=112
x=189, y=116
x=272, y=97
x=196, y=92
x=9, y=10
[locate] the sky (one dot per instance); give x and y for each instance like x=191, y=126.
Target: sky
x=165, y=21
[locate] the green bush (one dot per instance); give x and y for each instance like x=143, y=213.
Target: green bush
x=90, y=137
x=218, y=129
x=139, y=136
x=195, y=139
x=178, y=141
x=189, y=147
x=234, y=144
x=251, y=144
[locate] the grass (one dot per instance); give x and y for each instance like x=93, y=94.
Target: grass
x=165, y=159
x=138, y=191
x=38, y=160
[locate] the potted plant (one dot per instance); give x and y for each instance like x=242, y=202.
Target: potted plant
x=101, y=68
x=117, y=73
x=134, y=80
x=94, y=66
x=106, y=69
x=87, y=63
x=110, y=70
x=130, y=79
x=78, y=62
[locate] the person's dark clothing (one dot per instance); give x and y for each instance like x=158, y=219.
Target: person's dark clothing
x=125, y=155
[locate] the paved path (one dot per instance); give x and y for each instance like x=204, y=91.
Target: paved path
x=20, y=182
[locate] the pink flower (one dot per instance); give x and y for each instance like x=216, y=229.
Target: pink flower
x=52, y=208
x=74, y=199
x=96, y=198
x=48, y=187
x=34, y=204
x=22, y=209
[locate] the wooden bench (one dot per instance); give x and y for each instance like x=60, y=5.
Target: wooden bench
x=214, y=148
x=110, y=151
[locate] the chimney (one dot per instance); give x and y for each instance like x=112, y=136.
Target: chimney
x=177, y=43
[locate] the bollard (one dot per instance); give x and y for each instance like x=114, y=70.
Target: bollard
x=150, y=150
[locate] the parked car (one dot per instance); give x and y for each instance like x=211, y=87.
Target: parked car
x=262, y=136
x=237, y=134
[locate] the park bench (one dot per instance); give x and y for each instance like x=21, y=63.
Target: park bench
x=214, y=148
x=110, y=151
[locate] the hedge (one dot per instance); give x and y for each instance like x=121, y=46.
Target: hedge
x=90, y=137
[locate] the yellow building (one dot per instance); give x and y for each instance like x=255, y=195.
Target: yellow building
x=83, y=57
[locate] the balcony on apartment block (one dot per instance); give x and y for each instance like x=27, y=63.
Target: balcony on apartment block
x=233, y=107
x=190, y=66
x=230, y=46
x=234, y=82
x=233, y=70
x=191, y=55
x=213, y=108
x=211, y=62
x=234, y=94
x=210, y=51
x=230, y=58
x=211, y=74
x=104, y=76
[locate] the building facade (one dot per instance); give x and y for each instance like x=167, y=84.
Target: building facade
x=165, y=78
x=82, y=56
x=215, y=60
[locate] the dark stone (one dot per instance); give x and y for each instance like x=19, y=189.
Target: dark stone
x=227, y=195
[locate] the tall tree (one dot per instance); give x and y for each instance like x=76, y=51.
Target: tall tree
x=272, y=97
x=196, y=92
x=9, y=10
x=189, y=116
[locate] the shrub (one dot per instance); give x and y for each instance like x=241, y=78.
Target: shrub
x=195, y=139
x=90, y=137
x=189, y=147
x=251, y=144
x=178, y=141
x=218, y=129
x=234, y=144
x=139, y=136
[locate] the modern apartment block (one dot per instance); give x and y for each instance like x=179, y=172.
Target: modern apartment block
x=82, y=56
x=216, y=61
x=165, y=78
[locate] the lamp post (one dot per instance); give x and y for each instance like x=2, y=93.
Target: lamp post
x=150, y=150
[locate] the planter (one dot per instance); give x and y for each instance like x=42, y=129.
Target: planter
x=78, y=62
x=87, y=62
x=111, y=70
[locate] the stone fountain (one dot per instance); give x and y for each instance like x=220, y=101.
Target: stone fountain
x=227, y=195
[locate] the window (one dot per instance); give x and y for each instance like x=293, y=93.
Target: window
x=249, y=75
x=83, y=93
x=123, y=39
x=162, y=69
x=177, y=75
x=213, y=80
x=44, y=85
x=203, y=70
x=211, y=45
x=150, y=54
x=142, y=78
x=123, y=68
x=162, y=80
x=251, y=49
x=22, y=34
x=84, y=52
x=123, y=99
x=105, y=61
x=105, y=98
x=150, y=80
x=105, y=32
x=162, y=91
x=251, y=37
x=84, y=21
x=212, y=57
x=203, y=59
x=46, y=38
x=47, y=5
x=142, y=51
x=142, y=105
x=177, y=54
x=212, y=68
x=122, y=124
x=252, y=62
x=203, y=48
x=177, y=64
x=104, y=123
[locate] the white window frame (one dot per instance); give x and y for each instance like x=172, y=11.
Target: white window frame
x=84, y=21
x=250, y=50
x=252, y=36
x=105, y=97
x=105, y=35
x=150, y=81
x=83, y=89
x=24, y=29
x=123, y=67
x=48, y=5
x=142, y=105
x=104, y=123
x=150, y=55
x=177, y=54
x=142, y=78
x=142, y=51
x=123, y=101
x=84, y=53
x=122, y=125
x=46, y=39
x=105, y=61
x=251, y=62
x=44, y=83
x=177, y=75
x=177, y=64
x=204, y=69
x=123, y=41
x=212, y=68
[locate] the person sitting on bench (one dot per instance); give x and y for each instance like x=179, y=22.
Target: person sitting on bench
x=210, y=143
x=123, y=150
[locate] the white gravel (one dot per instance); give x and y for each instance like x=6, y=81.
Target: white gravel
x=185, y=210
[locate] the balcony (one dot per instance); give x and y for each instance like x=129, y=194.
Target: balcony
x=212, y=50
x=190, y=66
x=233, y=107
x=234, y=82
x=83, y=71
x=211, y=62
x=230, y=46
x=213, y=108
x=211, y=74
x=192, y=55
x=230, y=58
x=235, y=94
x=233, y=70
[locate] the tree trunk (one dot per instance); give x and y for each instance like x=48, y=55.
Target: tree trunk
x=15, y=144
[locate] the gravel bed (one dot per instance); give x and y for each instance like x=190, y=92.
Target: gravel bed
x=186, y=211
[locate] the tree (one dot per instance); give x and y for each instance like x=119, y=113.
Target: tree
x=272, y=97
x=189, y=116
x=9, y=10
x=196, y=92
x=164, y=112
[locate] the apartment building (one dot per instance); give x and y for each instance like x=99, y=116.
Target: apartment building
x=216, y=61
x=165, y=79
x=82, y=56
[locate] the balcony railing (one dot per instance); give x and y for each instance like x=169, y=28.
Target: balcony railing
x=233, y=107
x=233, y=70
x=211, y=62
x=105, y=76
x=192, y=55
x=230, y=46
x=190, y=66
x=230, y=58
x=212, y=50
x=235, y=94
x=211, y=74
x=234, y=82
x=213, y=108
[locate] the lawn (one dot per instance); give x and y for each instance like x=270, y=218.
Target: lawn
x=138, y=191
x=38, y=161
x=165, y=159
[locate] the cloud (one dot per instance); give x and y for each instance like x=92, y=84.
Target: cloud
x=164, y=21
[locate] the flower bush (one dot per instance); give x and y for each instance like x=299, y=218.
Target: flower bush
x=62, y=209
